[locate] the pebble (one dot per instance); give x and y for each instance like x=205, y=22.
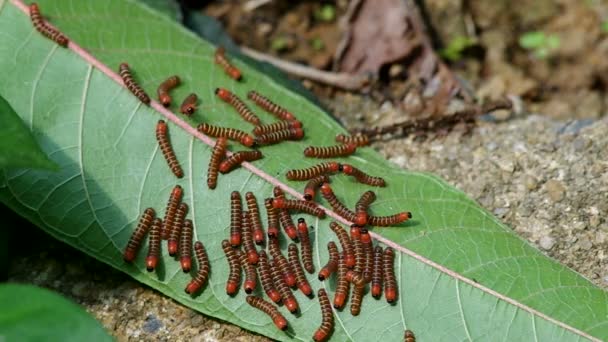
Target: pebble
x=530, y=182
x=555, y=190
x=152, y=324
x=546, y=242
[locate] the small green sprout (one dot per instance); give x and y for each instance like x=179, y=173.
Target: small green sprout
x=456, y=47
x=317, y=44
x=539, y=43
x=279, y=44
x=326, y=13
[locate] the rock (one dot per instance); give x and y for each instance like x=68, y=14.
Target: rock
x=530, y=182
x=546, y=242
x=555, y=189
x=152, y=324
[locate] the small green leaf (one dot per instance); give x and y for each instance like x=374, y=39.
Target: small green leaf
x=453, y=51
x=326, y=13
x=18, y=148
x=279, y=44
x=532, y=40
x=30, y=313
x=317, y=44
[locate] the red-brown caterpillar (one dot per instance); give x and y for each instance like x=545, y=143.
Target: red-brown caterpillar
x=188, y=106
x=238, y=158
x=185, y=246
x=248, y=245
x=362, y=205
x=134, y=88
x=276, y=126
x=269, y=309
x=342, y=285
x=229, y=69
x=176, y=230
x=284, y=217
x=368, y=251
x=230, y=133
x=281, y=262
x=296, y=266
x=306, y=246
x=362, y=177
x=390, y=282
x=279, y=136
x=203, y=268
x=270, y=106
x=386, y=221
x=154, y=245
x=273, y=219
x=250, y=274
x=217, y=154
x=298, y=205
x=347, y=247
x=234, y=277
x=41, y=26
x=174, y=200
x=313, y=171
x=355, y=301
x=138, y=235
x=167, y=149
x=312, y=185
x=342, y=150
x=165, y=87
x=359, y=139
x=358, y=250
x=327, y=320
x=254, y=218
x=236, y=219
x=266, y=278
x=409, y=336
x=240, y=106
x=279, y=282
x=377, y=272
x=332, y=264
x=335, y=203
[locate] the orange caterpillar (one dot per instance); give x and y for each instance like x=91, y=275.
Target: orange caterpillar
x=189, y=105
x=167, y=149
x=269, y=309
x=230, y=133
x=174, y=200
x=217, y=154
x=236, y=219
x=359, y=139
x=138, y=235
x=390, y=282
x=296, y=266
x=176, y=230
x=330, y=151
x=385, y=221
x=250, y=282
x=273, y=219
x=347, y=246
x=248, y=246
x=362, y=205
x=336, y=205
x=266, y=278
x=277, y=126
x=234, y=277
x=314, y=171
x=254, y=218
x=154, y=245
x=203, y=268
x=164, y=88
x=279, y=136
x=134, y=88
x=288, y=299
x=362, y=177
x=41, y=26
x=377, y=272
x=240, y=106
x=327, y=318
x=229, y=69
x=185, y=246
x=332, y=264
x=306, y=246
x=299, y=205
x=312, y=185
x=238, y=158
x=284, y=217
x=270, y=106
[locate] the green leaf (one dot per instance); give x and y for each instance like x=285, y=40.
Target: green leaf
x=31, y=313
x=18, y=148
x=111, y=169
x=532, y=40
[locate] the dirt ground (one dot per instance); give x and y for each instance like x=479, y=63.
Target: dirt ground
x=544, y=175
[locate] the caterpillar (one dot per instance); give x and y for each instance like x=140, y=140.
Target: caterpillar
x=138, y=235
x=154, y=245
x=273, y=220
x=345, y=242
x=185, y=246
x=269, y=309
x=312, y=185
x=230, y=133
x=203, y=268
x=296, y=266
x=287, y=297
x=332, y=264
x=266, y=278
x=355, y=232
x=385, y=221
x=165, y=87
x=254, y=218
x=218, y=152
x=234, y=277
x=342, y=285
x=276, y=126
x=377, y=272
x=279, y=136
x=236, y=219
x=355, y=301
x=229, y=69
x=408, y=336
x=134, y=88
x=240, y=106
x=174, y=200
x=284, y=217
x=176, y=230
x=358, y=250
x=358, y=139
x=250, y=274
x=327, y=318
x=366, y=199
x=281, y=263
x=390, y=282
x=167, y=149
x=299, y=205
x=362, y=177
x=270, y=106
x=356, y=279
x=248, y=246
x=238, y=158
x=368, y=252
x=306, y=246
x=342, y=150
x=313, y=171
x=41, y=26
x=335, y=203
x=188, y=106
